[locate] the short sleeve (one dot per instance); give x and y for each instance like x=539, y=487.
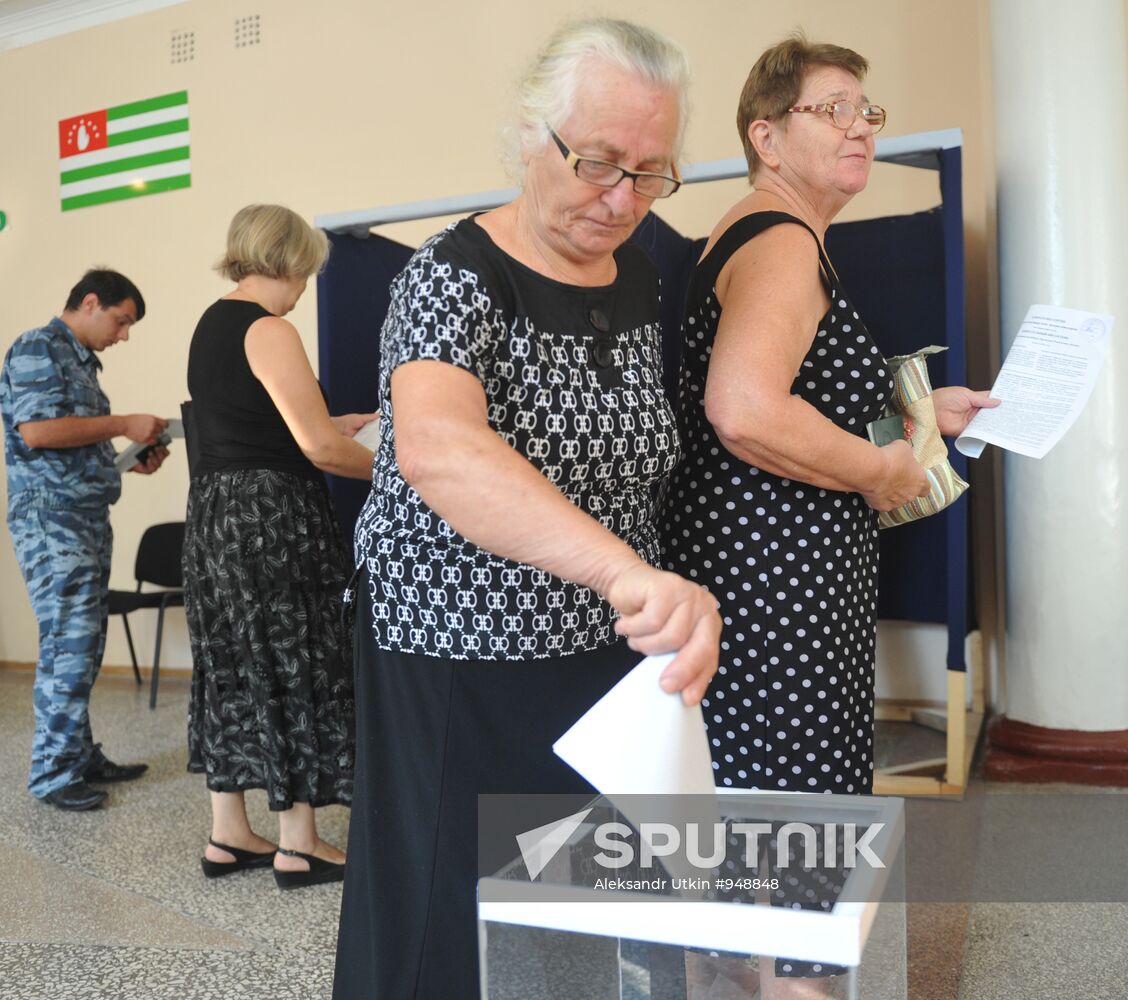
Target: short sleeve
x=440, y=310
x=38, y=390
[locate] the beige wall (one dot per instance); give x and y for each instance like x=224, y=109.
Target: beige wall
x=349, y=104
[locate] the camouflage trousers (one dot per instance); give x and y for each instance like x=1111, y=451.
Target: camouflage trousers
x=64, y=555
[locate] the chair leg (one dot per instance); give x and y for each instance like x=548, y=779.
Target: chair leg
x=132, y=652
x=156, y=660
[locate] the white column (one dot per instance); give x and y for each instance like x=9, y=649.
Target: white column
x=1061, y=114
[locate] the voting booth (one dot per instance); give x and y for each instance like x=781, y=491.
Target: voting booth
x=906, y=277
x=788, y=900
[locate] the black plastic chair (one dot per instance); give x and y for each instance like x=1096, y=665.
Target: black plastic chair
x=158, y=563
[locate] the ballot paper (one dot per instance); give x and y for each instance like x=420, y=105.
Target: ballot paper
x=647, y=752
x=639, y=740
x=369, y=435
x=1044, y=383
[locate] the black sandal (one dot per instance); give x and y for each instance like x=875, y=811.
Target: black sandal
x=243, y=860
x=320, y=871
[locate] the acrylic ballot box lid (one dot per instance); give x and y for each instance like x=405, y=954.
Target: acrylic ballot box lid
x=701, y=909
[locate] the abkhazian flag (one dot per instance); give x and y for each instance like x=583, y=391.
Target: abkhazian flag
x=125, y=152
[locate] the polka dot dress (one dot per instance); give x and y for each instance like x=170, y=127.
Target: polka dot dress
x=794, y=567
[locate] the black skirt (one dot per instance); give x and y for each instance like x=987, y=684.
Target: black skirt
x=272, y=680
x=432, y=735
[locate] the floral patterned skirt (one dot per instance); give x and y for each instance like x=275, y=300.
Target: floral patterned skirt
x=272, y=678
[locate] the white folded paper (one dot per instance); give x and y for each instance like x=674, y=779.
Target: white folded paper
x=647, y=752
x=1044, y=384
x=369, y=435
x=639, y=740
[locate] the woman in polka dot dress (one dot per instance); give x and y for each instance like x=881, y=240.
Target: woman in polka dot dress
x=774, y=506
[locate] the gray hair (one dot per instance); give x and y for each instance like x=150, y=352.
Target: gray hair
x=546, y=92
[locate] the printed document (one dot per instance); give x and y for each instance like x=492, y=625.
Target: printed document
x=1044, y=383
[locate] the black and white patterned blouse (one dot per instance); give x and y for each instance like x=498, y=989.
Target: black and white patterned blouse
x=573, y=381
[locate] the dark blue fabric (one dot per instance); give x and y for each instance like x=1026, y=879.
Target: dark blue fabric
x=675, y=256
x=352, y=299
x=894, y=269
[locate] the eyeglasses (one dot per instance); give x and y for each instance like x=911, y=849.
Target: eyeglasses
x=604, y=174
x=845, y=113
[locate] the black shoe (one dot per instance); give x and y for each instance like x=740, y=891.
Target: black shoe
x=243, y=860
x=75, y=797
x=319, y=871
x=105, y=770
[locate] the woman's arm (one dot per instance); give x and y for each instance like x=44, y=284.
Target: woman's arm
x=772, y=303
x=491, y=495
x=278, y=360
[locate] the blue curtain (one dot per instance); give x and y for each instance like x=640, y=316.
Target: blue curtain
x=352, y=299
x=891, y=269
x=675, y=256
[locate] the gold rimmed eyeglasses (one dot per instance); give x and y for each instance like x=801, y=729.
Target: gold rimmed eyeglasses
x=844, y=113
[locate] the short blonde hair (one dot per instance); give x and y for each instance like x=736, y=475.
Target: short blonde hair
x=546, y=92
x=274, y=242
x=776, y=80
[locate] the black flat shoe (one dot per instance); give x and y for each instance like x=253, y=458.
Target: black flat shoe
x=243, y=860
x=320, y=871
x=75, y=797
x=104, y=771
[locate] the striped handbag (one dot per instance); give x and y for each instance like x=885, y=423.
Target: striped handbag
x=912, y=398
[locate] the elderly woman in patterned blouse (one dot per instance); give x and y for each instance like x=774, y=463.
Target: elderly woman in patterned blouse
x=508, y=547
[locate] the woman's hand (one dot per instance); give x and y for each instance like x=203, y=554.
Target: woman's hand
x=955, y=406
x=349, y=423
x=903, y=479
x=662, y=612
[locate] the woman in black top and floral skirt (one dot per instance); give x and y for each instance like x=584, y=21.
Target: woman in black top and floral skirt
x=508, y=547
x=264, y=567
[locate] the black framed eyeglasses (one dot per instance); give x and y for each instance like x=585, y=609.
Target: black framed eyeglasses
x=844, y=113
x=604, y=174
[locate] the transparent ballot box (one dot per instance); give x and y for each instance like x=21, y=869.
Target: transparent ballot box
x=742, y=894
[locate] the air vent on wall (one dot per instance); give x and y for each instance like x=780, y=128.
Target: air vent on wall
x=247, y=31
x=183, y=46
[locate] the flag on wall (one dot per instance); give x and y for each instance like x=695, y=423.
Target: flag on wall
x=125, y=152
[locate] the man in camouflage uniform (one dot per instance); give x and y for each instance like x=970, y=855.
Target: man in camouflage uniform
x=61, y=482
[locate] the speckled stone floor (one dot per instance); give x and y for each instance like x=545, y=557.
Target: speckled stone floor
x=111, y=904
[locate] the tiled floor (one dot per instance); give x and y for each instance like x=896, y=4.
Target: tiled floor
x=111, y=904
